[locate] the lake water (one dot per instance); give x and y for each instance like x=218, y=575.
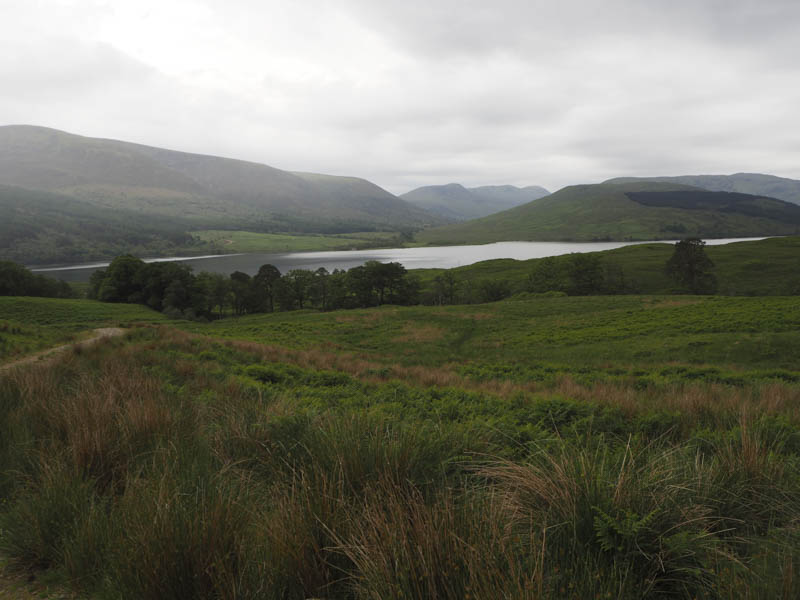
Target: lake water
x=412, y=258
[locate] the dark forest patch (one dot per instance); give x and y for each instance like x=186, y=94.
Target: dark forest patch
x=728, y=202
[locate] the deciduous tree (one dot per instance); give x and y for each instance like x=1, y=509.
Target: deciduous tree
x=691, y=268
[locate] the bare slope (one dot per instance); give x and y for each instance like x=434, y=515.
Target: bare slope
x=208, y=189
x=630, y=211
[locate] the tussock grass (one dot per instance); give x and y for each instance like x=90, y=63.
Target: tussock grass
x=167, y=465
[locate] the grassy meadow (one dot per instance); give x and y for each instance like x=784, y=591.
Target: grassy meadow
x=573, y=447
x=248, y=241
x=31, y=324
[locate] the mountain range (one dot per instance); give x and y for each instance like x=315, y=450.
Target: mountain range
x=69, y=198
x=454, y=201
x=640, y=210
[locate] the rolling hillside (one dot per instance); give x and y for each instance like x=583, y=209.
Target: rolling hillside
x=454, y=201
x=207, y=190
x=629, y=211
x=746, y=183
x=42, y=227
x=768, y=267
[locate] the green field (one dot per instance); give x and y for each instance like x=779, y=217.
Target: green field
x=599, y=336
x=31, y=324
x=553, y=447
x=247, y=241
x=750, y=268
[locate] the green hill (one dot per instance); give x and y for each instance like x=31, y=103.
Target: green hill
x=629, y=211
x=454, y=201
x=769, y=267
x=209, y=190
x=42, y=227
x=746, y=183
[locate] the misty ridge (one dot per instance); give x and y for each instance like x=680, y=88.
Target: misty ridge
x=68, y=198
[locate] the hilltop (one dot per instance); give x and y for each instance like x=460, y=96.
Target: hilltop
x=627, y=211
x=746, y=183
x=68, y=198
x=208, y=190
x=454, y=201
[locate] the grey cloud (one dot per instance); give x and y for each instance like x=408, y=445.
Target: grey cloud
x=412, y=93
x=63, y=66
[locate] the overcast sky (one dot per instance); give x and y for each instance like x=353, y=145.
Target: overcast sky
x=417, y=92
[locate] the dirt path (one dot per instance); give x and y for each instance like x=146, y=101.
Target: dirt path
x=98, y=334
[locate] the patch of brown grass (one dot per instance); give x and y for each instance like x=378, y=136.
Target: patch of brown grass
x=413, y=332
x=371, y=317
x=698, y=400
x=480, y=316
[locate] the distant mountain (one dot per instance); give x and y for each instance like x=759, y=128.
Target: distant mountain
x=454, y=201
x=628, y=211
x=746, y=183
x=206, y=190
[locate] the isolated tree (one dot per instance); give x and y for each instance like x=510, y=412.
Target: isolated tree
x=546, y=276
x=585, y=272
x=691, y=268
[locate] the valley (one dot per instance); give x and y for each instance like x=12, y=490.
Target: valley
x=351, y=403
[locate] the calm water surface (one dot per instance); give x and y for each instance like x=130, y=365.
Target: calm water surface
x=412, y=258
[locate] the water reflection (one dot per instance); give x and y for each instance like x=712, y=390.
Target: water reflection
x=412, y=258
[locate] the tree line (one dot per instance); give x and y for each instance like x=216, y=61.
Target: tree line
x=690, y=269
x=16, y=280
x=174, y=289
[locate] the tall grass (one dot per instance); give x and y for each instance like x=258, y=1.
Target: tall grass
x=147, y=470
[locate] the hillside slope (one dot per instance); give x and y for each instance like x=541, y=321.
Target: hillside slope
x=746, y=183
x=209, y=190
x=454, y=201
x=631, y=211
x=42, y=227
x=768, y=267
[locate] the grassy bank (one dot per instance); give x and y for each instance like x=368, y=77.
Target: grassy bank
x=248, y=241
x=562, y=448
x=31, y=324
x=750, y=268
